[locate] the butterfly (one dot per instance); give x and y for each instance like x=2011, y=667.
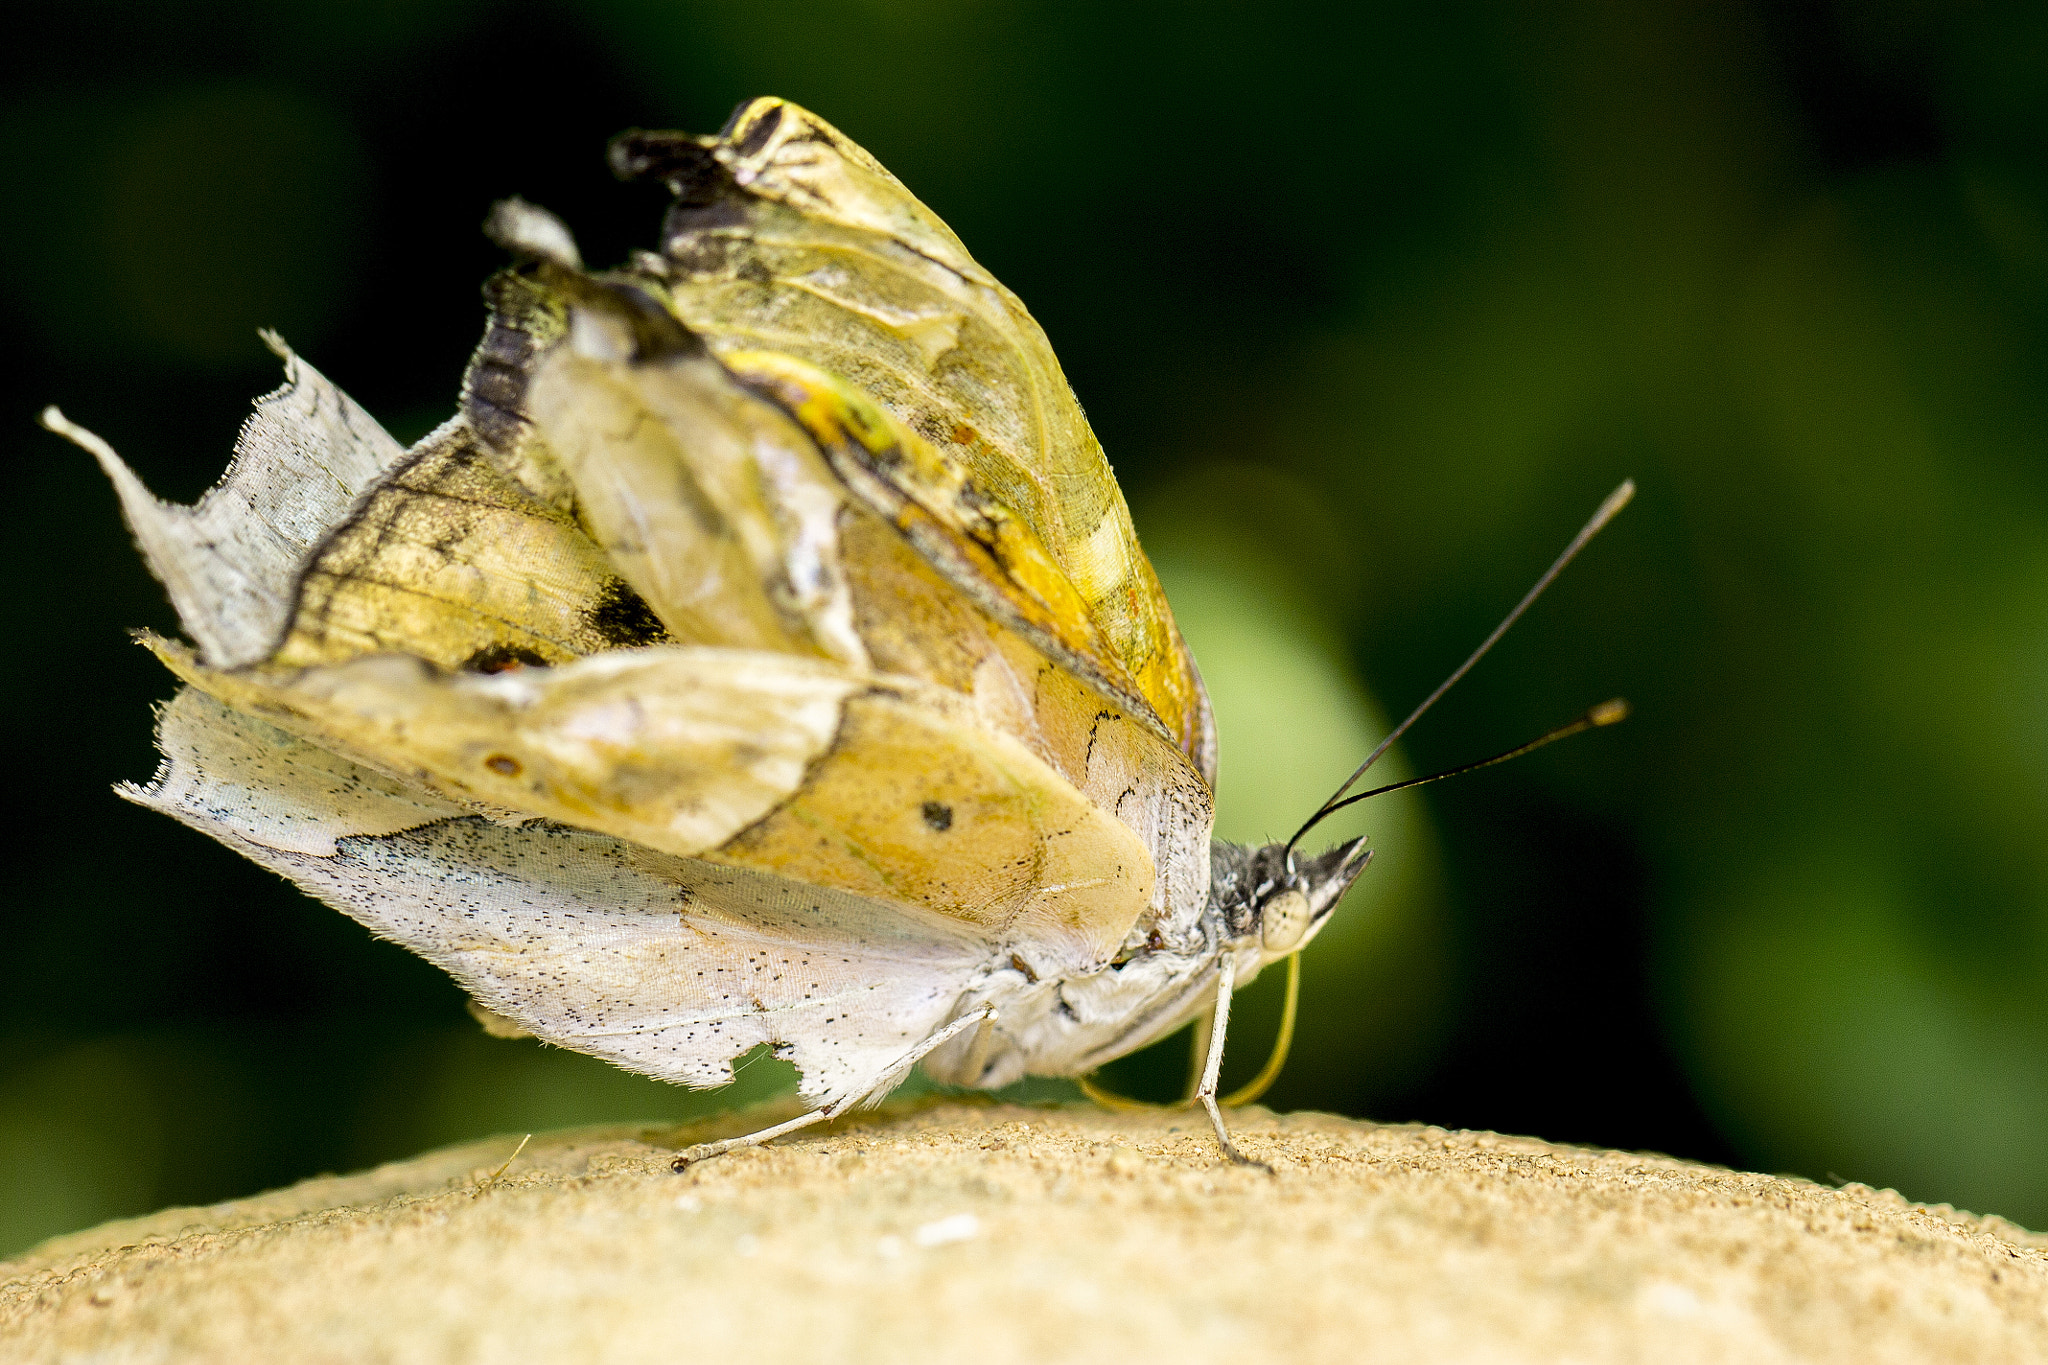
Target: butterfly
x=762, y=655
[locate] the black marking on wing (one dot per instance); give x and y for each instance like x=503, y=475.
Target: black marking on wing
x=622, y=618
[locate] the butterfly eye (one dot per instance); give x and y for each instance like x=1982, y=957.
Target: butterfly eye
x=1282, y=921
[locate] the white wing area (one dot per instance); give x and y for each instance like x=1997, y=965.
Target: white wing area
x=667, y=966
x=231, y=562
x=223, y=770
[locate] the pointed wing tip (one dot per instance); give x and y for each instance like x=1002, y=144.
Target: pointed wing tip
x=52, y=419
x=175, y=655
x=277, y=345
x=530, y=230
x=138, y=794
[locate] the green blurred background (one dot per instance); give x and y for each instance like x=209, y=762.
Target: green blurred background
x=1371, y=303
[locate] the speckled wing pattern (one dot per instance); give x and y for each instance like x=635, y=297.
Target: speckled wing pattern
x=762, y=655
x=669, y=967
x=231, y=562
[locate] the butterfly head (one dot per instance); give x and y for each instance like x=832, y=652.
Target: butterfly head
x=1280, y=897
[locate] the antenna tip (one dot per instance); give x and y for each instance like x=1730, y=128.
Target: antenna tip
x=1616, y=500
x=1609, y=712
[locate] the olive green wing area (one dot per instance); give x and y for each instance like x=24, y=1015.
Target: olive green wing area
x=447, y=559
x=789, y=238
x=885, y=788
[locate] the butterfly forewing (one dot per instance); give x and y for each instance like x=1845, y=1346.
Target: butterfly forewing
x=799, y=243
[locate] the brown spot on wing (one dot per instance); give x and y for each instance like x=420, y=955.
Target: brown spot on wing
x=502, y=658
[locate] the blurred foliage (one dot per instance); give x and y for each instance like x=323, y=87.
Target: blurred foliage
x=1371, y=305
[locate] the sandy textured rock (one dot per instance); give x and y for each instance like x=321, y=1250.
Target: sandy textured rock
x=991, y=1234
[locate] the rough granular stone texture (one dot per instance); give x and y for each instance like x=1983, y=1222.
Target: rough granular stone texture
x=953, y=1231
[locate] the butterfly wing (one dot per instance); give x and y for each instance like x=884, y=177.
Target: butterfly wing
x=671, y=967
x=873, y=785
x=897, y=675
x=789, y=238
x=446, y=559
x=847, y=557
x=231, y=563
x=443, y=566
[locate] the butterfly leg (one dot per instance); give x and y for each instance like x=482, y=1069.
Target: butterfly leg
x=1226, y=976
x=703, y=1151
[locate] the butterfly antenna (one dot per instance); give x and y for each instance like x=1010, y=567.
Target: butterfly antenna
x=1616, y=500
x=1606, y=713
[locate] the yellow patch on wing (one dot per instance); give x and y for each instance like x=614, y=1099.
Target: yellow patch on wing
x=979, y=545
x=916, y=624
x=918, y=805
x=790, y=238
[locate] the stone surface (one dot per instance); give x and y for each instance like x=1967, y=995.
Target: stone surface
x=956, y=1231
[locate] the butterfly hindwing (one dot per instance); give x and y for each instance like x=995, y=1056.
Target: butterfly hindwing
x=231, y=562
x=671, y=967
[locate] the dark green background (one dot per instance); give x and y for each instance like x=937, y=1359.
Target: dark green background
x=1370, y=304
